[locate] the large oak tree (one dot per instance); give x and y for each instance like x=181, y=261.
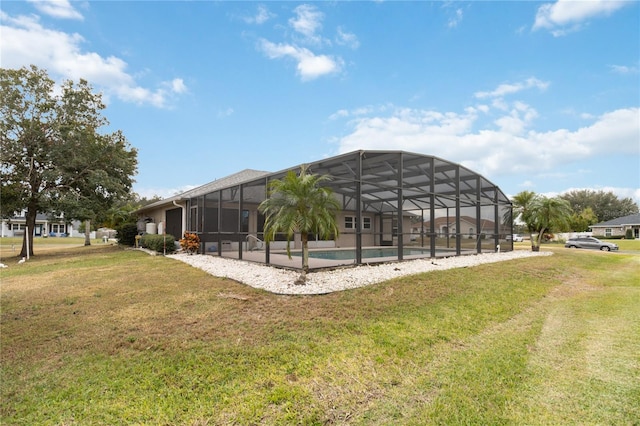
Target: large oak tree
x=604, y=204
x=56, y=158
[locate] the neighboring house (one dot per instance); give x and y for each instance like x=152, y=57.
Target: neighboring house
x=374, y=188
x=618, y=227
x=468, y=226
x=46, y=226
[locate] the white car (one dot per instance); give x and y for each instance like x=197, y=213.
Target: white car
x=518, y=238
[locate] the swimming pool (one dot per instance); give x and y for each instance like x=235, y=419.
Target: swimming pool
x=367, y=253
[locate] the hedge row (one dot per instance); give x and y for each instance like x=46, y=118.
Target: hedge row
x=159, y=243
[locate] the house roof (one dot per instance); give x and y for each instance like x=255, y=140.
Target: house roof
x=40, y=217
x=242, y=176
x=632, y=219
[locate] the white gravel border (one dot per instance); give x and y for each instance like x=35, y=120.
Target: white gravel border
x=281, y=281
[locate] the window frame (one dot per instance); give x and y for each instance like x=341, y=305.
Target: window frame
x=351, y=222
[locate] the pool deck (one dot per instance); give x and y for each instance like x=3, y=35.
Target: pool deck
x=282, y=260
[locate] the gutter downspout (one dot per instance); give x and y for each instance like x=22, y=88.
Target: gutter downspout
x=184, y=217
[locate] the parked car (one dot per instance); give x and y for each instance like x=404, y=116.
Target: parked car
x=590, y=243
x=518, y=238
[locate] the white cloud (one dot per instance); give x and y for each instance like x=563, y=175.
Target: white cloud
x=150, y=193
x=456, y=19
x=358, y=112
x=307, y=25
x=308, y=20
x=511, y=88
x=508, y=148
x=178, y=86
x=566, y=16
x=225, y=113
x=344, y=38
x=342, y=113
x=309, y=65
x=623, y=69
x=518, y=119
x=262, y=15
x=57, y=8
x=25, y=41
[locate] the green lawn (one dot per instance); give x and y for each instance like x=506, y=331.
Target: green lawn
x=101, y=336
x=633, y=245
x=625, y=245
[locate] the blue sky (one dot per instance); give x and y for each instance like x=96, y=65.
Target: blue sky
x=540, y=96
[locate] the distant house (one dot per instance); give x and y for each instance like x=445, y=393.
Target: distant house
x=46, y=226
x=618, y=227
x=468, y=226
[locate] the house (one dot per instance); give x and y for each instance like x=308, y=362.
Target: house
x=382, y=194
x=46, y=226
x=467, y=225
x=618, y=227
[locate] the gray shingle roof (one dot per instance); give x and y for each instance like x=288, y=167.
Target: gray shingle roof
x=632, y=219
x=242, y=176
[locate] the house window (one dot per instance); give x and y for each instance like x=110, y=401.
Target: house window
x=366, y=223
x=607, y=232
x=244, y=225
x=18, y=226
x=351, y=222
x=193, y=219
x=57, y=228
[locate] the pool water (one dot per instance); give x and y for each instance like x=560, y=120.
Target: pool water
x=367, y=253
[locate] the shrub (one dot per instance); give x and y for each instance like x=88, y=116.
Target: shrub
x=628, y=234
x=126, y=234
x=190, y=243
x=611, y=237
x=159, y=243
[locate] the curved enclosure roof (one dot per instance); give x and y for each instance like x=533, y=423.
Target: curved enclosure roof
x=386, y=176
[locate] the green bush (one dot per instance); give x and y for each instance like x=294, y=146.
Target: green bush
x=158, y=243
x=629, y=234
x=126, y=234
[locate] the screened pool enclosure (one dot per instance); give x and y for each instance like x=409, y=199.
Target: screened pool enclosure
x=395, y=206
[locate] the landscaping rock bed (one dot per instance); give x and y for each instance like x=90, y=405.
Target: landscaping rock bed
x=281, y=281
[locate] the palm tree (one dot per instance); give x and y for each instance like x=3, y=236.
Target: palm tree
x=548, y=214
x=522, y=209
x=541, y=214
x=298, y=204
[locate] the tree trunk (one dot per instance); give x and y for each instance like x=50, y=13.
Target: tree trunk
x=535, y=242
x=305, y=258
x=87, y=232
x=27, y=239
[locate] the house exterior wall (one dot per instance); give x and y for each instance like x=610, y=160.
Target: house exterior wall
x=159, y=217
x=615, y=231
x=15, y=227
